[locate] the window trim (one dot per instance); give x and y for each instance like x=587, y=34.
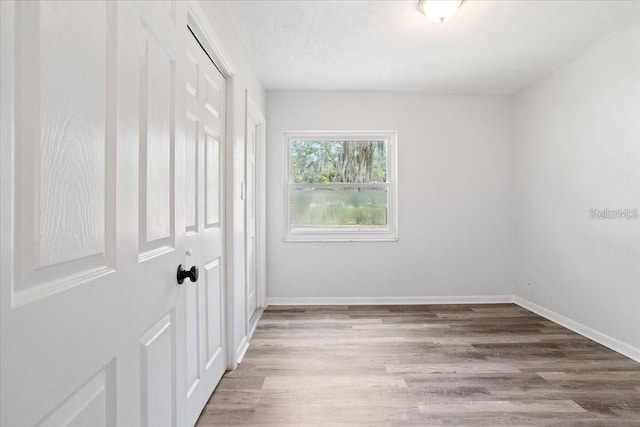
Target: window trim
x=390, y=234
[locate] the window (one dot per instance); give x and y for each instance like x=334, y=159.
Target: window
x=340, y=186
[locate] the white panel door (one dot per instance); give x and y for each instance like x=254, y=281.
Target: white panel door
x=250, y=213
x=204, y=156
x=91, y=156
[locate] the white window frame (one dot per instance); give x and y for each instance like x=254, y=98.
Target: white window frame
x=362, y=234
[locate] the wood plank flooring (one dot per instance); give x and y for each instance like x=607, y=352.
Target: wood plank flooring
x=496, y=364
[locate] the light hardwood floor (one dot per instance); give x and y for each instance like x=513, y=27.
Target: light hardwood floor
x=496, y=364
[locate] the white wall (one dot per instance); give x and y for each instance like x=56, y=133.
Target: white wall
x=243, y=80
x=454, y=194
x=578, y=147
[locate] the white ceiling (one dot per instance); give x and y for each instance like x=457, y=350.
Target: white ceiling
x=492, y=47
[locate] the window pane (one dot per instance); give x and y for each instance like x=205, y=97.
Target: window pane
x=327, y=161
x=339, y=208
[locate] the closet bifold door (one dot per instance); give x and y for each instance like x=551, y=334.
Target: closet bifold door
x=206, y=352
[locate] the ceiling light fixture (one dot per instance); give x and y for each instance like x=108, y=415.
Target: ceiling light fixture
x=439, y=10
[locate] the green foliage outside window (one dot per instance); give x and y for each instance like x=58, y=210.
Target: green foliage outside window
x=318, y=162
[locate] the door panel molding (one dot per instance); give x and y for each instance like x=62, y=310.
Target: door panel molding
x=63, y=236
x=157, y=147
x=93, y=403
x=158, y=374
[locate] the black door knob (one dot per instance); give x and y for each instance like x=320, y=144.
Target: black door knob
x=182, y=274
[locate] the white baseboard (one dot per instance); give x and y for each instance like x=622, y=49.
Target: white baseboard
x=480, y=299
x=594, y=335
x=253, y=323
x=242, y=350
x=244, y=344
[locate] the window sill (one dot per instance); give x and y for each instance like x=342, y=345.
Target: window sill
x=314, y=238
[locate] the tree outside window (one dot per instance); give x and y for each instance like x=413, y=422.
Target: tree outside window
x=340, y=186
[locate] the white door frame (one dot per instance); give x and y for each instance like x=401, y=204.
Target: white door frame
x=199, y=25
x=258, y=118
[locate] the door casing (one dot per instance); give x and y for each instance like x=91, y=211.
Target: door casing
x=254, y=116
